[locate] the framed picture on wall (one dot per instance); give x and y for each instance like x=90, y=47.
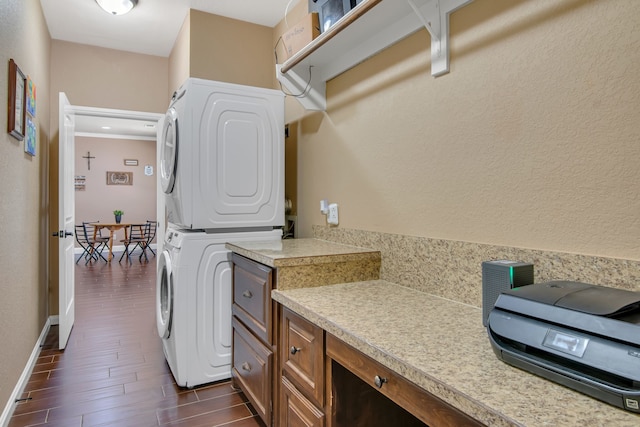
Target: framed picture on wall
x=31, y=97
x=15, y=122
x=30, y=137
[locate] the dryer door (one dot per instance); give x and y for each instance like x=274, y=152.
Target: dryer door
x=164, y=295
x=169, y=151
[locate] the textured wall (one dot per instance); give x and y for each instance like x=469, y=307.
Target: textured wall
x=98, y=201
x=23, y=211
x=532, y=139
x=229, y=50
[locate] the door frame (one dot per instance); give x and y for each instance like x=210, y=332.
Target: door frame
x=98, y=112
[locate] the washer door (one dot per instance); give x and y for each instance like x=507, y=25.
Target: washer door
x=169, y=151
x=164, y=295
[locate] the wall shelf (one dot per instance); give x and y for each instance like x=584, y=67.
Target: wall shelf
x=370, y=27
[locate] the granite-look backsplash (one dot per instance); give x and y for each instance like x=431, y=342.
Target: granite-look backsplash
x=453, y=269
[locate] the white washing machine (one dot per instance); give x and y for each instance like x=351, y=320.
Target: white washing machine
x=222, y=156
x=193, y=302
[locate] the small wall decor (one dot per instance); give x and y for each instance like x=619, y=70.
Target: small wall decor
x=31, y=97
x=31, y=137
x=80, y=181
x=148, y=170
x=119, y=178
x=15, y=122
x=130, y=162
x=88, y=157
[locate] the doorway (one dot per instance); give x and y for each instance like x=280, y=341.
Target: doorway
x=119, y=127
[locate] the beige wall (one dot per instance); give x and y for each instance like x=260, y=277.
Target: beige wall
x=98, y=200
x=98, y=77
x=217, y=48
x=531, y=141
x=23, y=211
x=229, y=50
x=179, y=57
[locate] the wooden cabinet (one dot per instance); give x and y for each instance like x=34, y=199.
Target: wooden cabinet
x=302, y=383
x=252, y=284
x=303, y=355
x=253, y=334
x=252, y=369
x=326, y=382
x=359, y=384
x=296, y=410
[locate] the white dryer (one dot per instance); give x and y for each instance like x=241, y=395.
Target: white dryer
x=193, y=302
x=222, y=156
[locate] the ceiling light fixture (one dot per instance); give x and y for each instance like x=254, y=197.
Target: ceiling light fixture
x=117, y=7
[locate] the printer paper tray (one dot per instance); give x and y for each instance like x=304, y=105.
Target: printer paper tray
x=625, y=398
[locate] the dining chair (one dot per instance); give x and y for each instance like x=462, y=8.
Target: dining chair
x=93, y=230
x=91, y=249
x=151, y=234
x=136, y=238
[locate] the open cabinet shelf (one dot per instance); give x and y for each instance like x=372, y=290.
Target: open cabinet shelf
x=370, y=27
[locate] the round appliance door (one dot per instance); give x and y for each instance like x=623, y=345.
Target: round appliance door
x=164, y=295
x=169, y=151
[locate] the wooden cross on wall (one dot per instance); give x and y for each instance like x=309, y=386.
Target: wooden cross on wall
x=88, y=157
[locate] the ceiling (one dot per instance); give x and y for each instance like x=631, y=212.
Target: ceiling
x=153, y=25
x=150, y=28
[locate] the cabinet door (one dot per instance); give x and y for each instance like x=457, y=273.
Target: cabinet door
x=302, y=355
x=296, y=410
x=252, y=369
x=252, y=284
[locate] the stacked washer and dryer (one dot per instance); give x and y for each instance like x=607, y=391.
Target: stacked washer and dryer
x=222, y=173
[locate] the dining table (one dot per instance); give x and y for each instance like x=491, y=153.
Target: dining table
x=112, y=227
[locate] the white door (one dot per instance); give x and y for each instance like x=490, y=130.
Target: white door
x=66, y=220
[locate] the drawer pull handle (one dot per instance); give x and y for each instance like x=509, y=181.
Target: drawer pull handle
x=247, y=294
x=246, y=367
x=294, y=349
x=379, y=381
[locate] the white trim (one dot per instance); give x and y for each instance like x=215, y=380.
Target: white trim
x=116, y=136
x=26, y=374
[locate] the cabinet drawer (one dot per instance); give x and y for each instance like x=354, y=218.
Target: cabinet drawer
x=296, y=410
x=252, y=369
x=302, y=355
x=417, y=401
x=252, y=283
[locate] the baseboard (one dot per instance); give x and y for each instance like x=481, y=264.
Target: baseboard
x=26, y=374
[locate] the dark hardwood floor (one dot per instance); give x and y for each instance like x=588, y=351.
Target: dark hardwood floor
x=113, y=371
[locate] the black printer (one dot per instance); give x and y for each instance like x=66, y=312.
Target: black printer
x=582, y=336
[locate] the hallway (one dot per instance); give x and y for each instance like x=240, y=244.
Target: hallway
x=113, y=371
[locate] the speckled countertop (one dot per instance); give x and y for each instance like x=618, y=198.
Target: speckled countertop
x=442, y=346
x=297, y=252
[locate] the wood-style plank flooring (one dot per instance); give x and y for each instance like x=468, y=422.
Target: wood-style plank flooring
x=113, y=371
